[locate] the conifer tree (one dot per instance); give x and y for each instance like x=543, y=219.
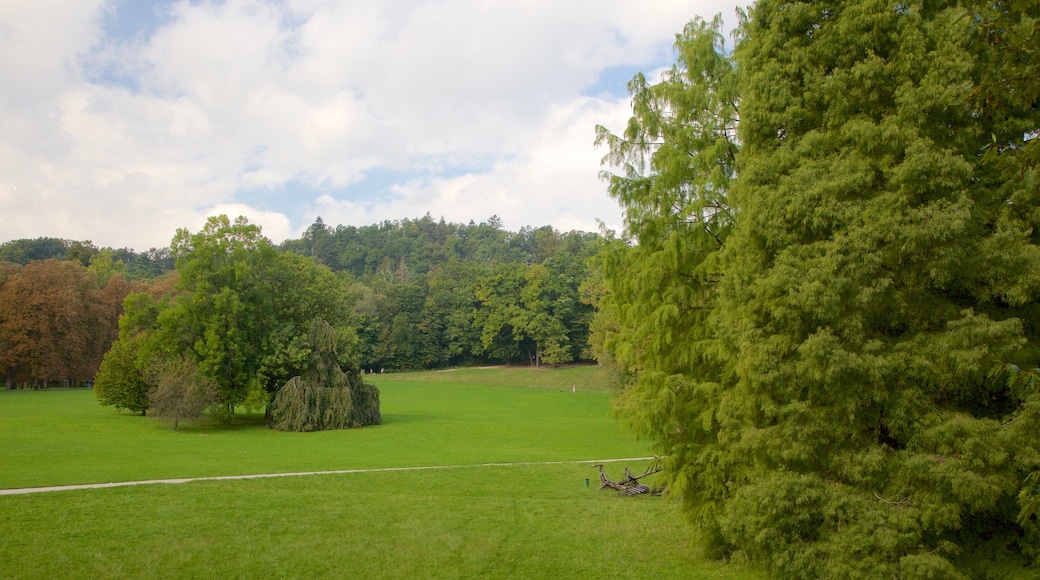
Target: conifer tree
x=656, y=316
x=325, y=397
x=848, y=401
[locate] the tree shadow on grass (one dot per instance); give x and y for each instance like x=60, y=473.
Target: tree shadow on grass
x=251, y=421
x=394, y=418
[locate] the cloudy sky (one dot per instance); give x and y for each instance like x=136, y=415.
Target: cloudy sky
x=122, y=120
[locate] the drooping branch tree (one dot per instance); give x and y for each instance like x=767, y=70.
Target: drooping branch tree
x=325, y=397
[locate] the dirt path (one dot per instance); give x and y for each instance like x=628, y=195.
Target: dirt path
x=24, y=490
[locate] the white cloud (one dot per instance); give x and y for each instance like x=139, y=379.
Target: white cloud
x=477, y=102
x=553, y=181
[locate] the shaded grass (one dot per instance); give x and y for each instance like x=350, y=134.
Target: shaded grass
x=64, y=437
x=523, y=521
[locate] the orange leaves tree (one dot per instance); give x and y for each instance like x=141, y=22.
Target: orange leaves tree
x=55, y=323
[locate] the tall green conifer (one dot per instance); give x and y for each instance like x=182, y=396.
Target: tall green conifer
x=845, y=401
x=655, y=319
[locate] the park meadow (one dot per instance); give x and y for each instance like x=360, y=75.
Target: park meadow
x=537, y=512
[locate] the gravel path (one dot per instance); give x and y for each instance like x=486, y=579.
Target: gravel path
x=24, y=490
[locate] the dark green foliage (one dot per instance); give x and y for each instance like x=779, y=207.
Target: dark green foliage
x=365, y=407
x=24, y=251
x=822, y=375
x=139, y=265
x=414, y=289
x=300, y=406
x=324, y=396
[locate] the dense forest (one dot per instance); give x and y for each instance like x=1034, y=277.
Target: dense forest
x=426, y=293
x=415, y=294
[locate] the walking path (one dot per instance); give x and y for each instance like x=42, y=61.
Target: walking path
x=25, y=490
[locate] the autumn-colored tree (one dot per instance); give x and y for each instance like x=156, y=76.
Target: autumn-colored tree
x=55, y=322
x=45, y=326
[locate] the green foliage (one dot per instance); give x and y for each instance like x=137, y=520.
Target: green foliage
x=178, y=390
x=103, y=266
x=655, y=320
x=136, y=265
x=119, y=381
x=243, y=309
x=301, y=406
x=323, y=397
x=816, y=355
x=365, y=408
x=527, y=310
x=414, y=283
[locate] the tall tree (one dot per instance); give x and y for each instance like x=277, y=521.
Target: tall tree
x=831, y=382
x=877, y=276
x=655, y=322
x=242, y=309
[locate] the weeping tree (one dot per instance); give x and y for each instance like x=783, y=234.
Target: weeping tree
x=325, y=397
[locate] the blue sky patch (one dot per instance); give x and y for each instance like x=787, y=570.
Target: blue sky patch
x=613, y=82
x=129, y=20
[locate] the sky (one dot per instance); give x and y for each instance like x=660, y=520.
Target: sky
x=124, y=120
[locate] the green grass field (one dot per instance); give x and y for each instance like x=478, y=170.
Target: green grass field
x=466, y=521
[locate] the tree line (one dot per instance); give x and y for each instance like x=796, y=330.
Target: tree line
x=404, y=295
x=425, y=293
x=133, y=265
x=824, y=305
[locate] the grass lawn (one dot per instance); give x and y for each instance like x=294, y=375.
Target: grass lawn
x=64, y=437
x=468, y=521
x=522, y=522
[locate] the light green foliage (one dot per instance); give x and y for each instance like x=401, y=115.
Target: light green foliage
x=830, y=406
x=103, y=266
x=656, y=319
x=214, y=317
x=119, y=381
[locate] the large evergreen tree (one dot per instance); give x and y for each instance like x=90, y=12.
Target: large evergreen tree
x=842, y=406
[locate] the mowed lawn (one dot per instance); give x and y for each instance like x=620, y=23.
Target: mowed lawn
x=468, y=521
x=65, y=437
